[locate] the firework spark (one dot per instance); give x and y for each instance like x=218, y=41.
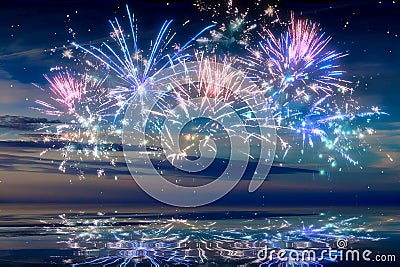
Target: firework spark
x=236, y=27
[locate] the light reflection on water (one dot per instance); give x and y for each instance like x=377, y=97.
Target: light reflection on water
x=127, y=239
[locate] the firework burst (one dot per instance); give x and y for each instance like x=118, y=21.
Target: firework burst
x=210, y=113
x=134, y=67
x=299, y=60
x=310, y=101
x=84, y=102
x=212, y=89
x=66, y=94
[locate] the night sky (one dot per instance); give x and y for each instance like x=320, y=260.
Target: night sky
x=34, y=34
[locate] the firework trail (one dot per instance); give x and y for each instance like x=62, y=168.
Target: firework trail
x=134, y=67
x=302, y=82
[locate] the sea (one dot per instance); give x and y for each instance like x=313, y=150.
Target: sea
x=128, y=235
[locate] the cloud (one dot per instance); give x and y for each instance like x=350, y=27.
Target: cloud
x=27, y=176
x=22, y=123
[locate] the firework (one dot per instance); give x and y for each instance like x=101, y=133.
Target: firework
x=209, y=112
x=66, y=94
x=309, y=100
x=299, y=60
x=134, y=67
x=235, y=26
x=75, y=95
x=85, y=105
x=89, y=105
x=299, y=75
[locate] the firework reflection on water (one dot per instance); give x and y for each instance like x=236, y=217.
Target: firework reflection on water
x=107, y=240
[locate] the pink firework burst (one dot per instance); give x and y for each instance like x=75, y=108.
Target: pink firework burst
x=67, y=92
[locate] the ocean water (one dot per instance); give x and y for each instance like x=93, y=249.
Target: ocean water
x=116, y=235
